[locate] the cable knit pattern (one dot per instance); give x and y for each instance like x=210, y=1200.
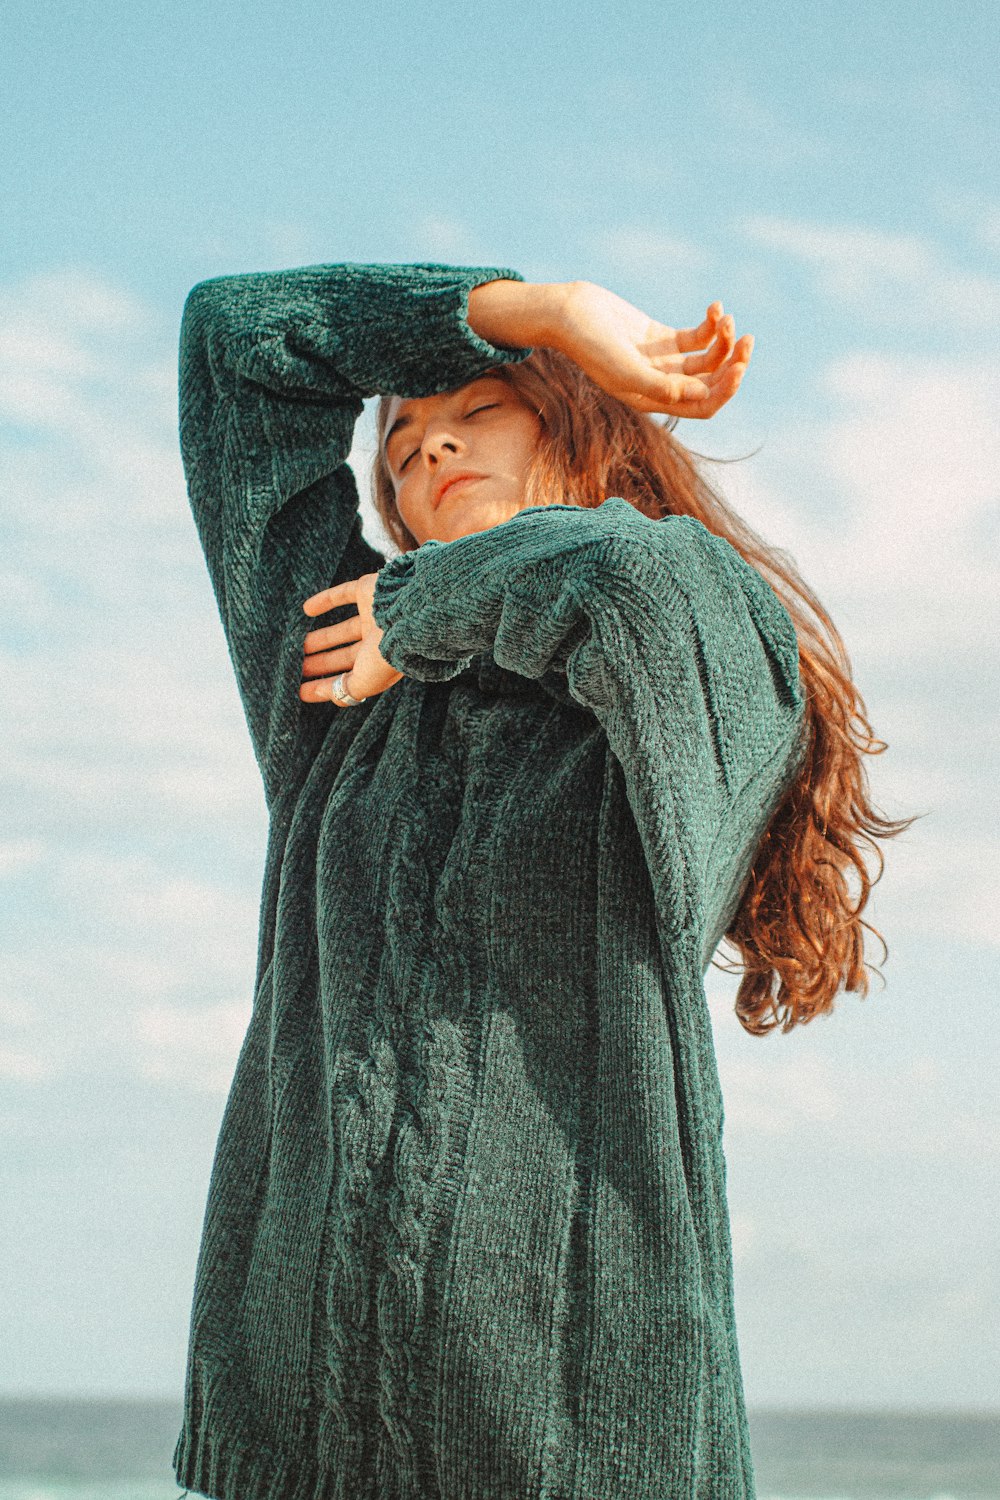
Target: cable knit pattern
x=466, y=1235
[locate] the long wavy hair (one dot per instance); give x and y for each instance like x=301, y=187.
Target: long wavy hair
x=798, y=928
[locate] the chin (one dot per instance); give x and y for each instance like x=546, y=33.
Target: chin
x=475, y=518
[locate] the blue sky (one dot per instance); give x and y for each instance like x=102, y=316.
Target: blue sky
x=829, y=172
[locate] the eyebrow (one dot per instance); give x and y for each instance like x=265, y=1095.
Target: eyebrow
x=397, y=426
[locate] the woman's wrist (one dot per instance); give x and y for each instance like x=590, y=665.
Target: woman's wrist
x=518, y=314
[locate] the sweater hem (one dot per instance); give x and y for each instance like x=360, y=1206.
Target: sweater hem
x=215, y=1466
x=218, y=1466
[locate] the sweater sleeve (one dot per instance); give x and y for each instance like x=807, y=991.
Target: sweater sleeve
x=274, y=369
x=680, y=648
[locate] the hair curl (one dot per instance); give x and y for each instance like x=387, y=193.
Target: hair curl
x=798, y=928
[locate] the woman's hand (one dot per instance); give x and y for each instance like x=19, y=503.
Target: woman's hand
x=681, y=372
x=351, y=646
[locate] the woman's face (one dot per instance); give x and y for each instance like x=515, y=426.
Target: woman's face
x=459, y=461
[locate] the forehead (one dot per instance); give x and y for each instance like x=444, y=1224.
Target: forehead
x=404, y=411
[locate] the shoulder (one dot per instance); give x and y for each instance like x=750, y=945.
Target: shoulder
x=678, y=557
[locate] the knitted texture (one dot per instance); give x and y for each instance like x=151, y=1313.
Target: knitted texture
x=466, y=1235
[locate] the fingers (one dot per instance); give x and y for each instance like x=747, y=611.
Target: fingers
x=697, y=338
x=333, y=635
x=327, y=599
x=317, y=692
x=322, y=691
x=713, y=344
x=365, y=679
x=721, y=349
x=718, y=386
x=325, y=663
x=694, y=395
x=320, y=660
x=335, y=648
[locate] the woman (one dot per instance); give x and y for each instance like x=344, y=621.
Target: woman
x=466, y=1233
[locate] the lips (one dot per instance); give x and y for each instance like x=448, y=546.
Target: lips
x=452, y=479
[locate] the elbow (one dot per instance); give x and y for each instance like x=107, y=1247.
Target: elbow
x=196, y=321
x=212, y=307
x=201, y=301
x=209, y=321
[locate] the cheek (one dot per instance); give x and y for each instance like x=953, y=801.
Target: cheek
x=412, y=509
x=403, y=505
x=525, y=441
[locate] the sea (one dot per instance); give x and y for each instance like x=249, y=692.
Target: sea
x=57, y=1449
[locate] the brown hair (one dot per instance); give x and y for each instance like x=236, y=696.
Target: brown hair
x=799, y=932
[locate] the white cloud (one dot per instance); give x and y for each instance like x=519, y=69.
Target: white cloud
x=846, y=257
x=897, y=278
x=21, y=1065
x=818, y=1089
x=76, y=300
x=971, y=212
x=288, y=244
x=640, y=250
x=446, y=239
x=39, y=349
x=922, y=96
x=943, y=883
x=119, y=937
x=23, y=1057
x=887, y=503
x=775, y=1096
x=361, y=458
x=103, y=549
x=18, y=854
x=135, y=726
x=128, y=891
x=988, y=228
x=190, y=1049
x=743, y=1234
x=916, y=453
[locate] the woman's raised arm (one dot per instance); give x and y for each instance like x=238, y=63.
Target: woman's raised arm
x=274, y=368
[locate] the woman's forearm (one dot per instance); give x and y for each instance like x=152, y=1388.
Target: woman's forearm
x=518, y=314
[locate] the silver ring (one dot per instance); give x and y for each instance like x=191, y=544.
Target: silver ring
x=340, y=693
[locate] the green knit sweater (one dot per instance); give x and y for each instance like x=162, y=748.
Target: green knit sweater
x=466, y=1235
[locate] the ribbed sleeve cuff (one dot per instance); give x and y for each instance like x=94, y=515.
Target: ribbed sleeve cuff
x=390, y=582
x=425, y=343
x=400, y=597
x=446, y=297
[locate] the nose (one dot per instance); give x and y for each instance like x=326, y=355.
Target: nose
x=440, y=442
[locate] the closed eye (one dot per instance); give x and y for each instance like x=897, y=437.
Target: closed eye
x=487, y=406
